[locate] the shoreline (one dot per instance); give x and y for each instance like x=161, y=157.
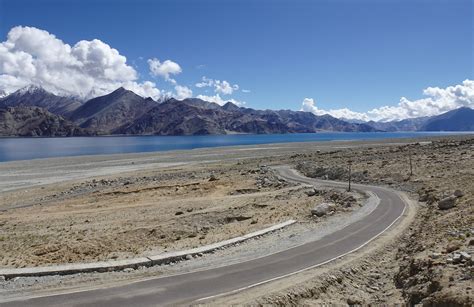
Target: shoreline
x=23, y=174
x=436, y=135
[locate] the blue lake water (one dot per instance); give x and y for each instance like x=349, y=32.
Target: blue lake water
x=34, y=148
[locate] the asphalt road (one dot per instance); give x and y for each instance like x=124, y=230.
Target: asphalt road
x=189, y=287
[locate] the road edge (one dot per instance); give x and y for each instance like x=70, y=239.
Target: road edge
x=116, y=265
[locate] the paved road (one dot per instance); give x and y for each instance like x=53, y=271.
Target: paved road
x=189, y=287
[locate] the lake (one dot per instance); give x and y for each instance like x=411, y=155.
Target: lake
x=34, y=148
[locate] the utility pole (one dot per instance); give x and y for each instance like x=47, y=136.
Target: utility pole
x=350, y=173
x=411, y=166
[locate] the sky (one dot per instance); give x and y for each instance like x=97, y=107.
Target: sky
x=365, y=59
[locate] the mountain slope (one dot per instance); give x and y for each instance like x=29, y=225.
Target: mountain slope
x=107, y=113
x=194, y=116
x=35, y=121
x=409, y=124
x=37, y=96
x=461, y=119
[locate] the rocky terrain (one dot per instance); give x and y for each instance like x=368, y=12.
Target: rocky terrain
x=106, y=113
x=427, y=259
x=153, y=212
x=34, y=96
x=432, y=262
x=34, y=121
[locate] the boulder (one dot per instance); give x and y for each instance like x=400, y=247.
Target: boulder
x=447, y=203
x=353, y=301
x=452, y=247
x=322, y=209
x=212, y=177
x=465, y=256
x=458, y=193
x=311, y=192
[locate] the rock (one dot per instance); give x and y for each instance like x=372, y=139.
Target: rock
x=189, y=257
x=452, y=247
x=447, y=203
x=179, y=212
x=128, y=270
x=465, y=256
x=353, y=301
x=311, y=192
x=322, y=209
x=212, y=177
x=456, y=258
x=266, y=182
x=435, y=255
x=458, y=193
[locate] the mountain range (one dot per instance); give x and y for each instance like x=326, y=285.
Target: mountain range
x=33, y=111
x=461, y=119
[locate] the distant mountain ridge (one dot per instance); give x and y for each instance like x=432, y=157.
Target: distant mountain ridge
x=461, y=119
x=36, y=121
x=35, y=96
x=124, y=112
x=105, y=114
x=194, y=116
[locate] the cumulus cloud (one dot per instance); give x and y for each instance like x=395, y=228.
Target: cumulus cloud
x=218, y=99
x=165, y=69
x=145, y=89
x=222, y=87
x=309, y=105
x=183, y=92
x=438, y=100
x=86, y=69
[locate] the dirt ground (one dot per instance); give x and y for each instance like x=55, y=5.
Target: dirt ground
x=160, y=209
x=146, y=213
x=431, y=263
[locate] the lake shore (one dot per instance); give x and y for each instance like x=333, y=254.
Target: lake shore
x=15, y=149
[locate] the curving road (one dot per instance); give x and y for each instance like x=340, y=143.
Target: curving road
x=199, y=286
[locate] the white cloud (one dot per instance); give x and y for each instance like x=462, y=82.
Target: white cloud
x=218, y=99
x=438, y=100
x=87, y=69
x=245, y=91
x=165, y=69
x=145, y=89
x=223, y=87
x=205, y=82
x=309, y=105
x=183, y=92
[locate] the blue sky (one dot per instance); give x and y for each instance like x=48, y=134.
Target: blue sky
x=343, y=54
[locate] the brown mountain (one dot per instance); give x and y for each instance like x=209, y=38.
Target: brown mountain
x=194, y=117
x=105, y=114
x=35, y=121
x=38, y=97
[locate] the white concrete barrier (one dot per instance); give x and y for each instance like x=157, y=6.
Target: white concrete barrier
x=115, y=265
